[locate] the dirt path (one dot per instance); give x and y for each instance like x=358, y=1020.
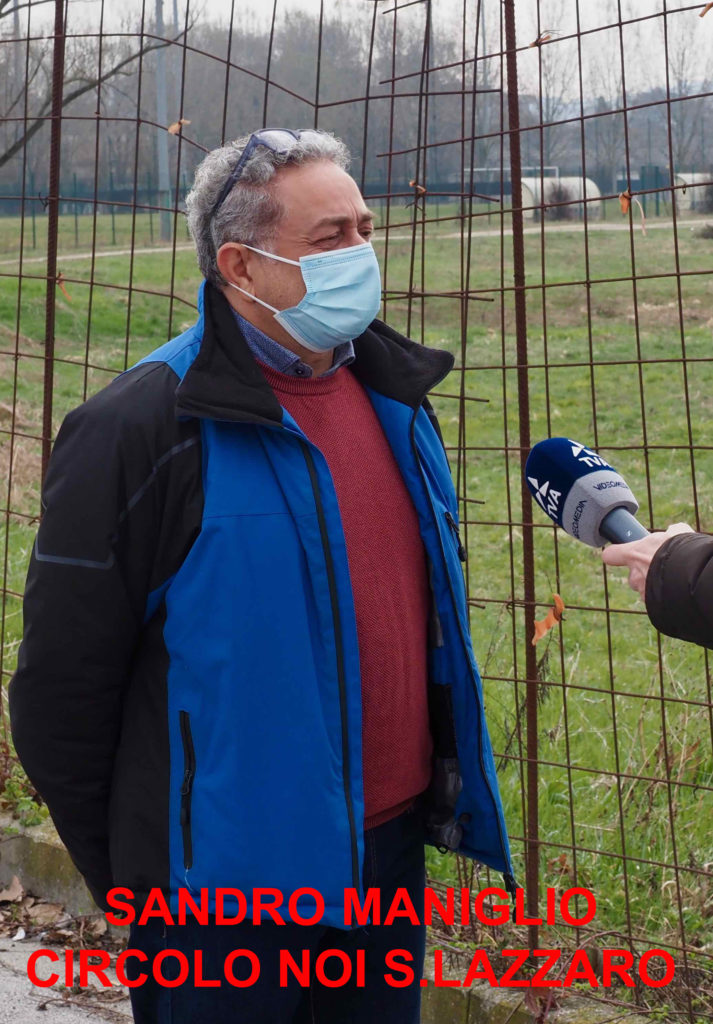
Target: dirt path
x=552, y=229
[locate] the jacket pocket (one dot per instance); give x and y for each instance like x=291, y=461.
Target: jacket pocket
x=189, y=771
x=453, y=526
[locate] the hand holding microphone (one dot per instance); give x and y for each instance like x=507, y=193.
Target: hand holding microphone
x=638, y=555
x=584, y=495
x=587, y=497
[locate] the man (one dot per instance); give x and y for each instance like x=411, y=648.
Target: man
x=246, y=653
x=673, y=573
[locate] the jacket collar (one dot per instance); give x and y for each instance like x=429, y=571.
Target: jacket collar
x=224, y=382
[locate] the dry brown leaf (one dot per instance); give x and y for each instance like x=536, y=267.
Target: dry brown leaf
x=625, y=201
x=540, y=1004
x=58, y=936
x=543, y=38
x=174, y=129
x=44, y=914
x=554, y=615
x=60, y=285
x=13, y=893
x=96, y=927
x=108, y=995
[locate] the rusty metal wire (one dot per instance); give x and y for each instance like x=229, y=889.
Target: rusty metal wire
x=499, y=144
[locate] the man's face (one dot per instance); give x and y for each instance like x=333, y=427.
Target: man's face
x=324, y=210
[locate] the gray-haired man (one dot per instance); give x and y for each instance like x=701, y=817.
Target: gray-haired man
x=247, y=587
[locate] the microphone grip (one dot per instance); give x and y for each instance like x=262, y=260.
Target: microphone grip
x=619, y=526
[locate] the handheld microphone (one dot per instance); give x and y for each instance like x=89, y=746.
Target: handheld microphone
x=582, y=493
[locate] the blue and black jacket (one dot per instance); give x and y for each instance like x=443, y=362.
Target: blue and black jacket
x=188, y=697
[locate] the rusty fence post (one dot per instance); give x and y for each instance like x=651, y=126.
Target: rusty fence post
x=532, y=872
x=52, y=226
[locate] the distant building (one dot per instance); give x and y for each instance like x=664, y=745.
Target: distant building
x=563, y=194
x=561, y=190
x=693, y=195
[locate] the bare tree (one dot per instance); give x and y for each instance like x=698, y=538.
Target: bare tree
x=547, y=78
x=605, y=133
x=689, y=74
x=81, y=77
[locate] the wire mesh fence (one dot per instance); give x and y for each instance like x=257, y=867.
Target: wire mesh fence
x=541, y=172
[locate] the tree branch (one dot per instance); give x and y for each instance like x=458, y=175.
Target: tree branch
x=26, y=85
x=69, y=97
x=8, y=6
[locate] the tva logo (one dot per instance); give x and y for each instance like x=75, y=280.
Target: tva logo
x=585, y=455
x=547, y=497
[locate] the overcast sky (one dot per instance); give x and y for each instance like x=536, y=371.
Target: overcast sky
x=643, y=42
x=591, y=12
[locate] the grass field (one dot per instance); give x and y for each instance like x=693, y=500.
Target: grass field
x=593, y=745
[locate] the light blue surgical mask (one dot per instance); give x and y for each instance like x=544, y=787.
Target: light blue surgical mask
x=342, y=298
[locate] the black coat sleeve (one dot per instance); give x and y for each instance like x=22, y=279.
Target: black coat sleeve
x=679, y=588
x=91, y=570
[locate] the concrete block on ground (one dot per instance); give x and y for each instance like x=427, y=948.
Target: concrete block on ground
x=444, y=1006
x=39, y=859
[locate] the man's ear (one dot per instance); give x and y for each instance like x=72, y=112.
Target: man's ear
x=233, y=263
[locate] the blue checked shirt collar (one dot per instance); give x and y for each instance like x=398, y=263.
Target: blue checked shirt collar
x=279, y=358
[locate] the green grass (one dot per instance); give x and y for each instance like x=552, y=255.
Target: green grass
x=648, y=821
x=80, y=233
x=662, y=728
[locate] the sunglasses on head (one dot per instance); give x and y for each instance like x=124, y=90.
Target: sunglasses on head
x=279, y=140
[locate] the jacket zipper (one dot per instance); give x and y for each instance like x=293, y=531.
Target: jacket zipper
x=341, y=675
x=189, y=771
x=462, y=554
x=509, y=879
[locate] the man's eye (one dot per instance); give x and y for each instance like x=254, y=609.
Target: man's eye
x=366, y=232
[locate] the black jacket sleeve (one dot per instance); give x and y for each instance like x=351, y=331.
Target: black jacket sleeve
x=91, y=569
x=679, y=588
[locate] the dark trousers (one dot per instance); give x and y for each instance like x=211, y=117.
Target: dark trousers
x=393, y=858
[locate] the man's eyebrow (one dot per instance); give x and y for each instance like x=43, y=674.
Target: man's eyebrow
x=366, y=215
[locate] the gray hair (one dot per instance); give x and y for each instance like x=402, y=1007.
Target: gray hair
x=250, y=212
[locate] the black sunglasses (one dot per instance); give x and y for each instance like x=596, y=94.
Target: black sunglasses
x=279, y=140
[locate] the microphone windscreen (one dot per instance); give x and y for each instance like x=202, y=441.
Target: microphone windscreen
x=576, y=487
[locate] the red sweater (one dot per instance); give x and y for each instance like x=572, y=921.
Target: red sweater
x=387, y=567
